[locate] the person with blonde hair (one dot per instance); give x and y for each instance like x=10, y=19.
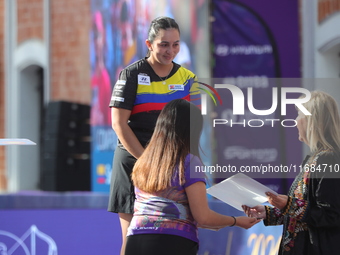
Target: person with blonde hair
x=310, y=213
x=170, y=198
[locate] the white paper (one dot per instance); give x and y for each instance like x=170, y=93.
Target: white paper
x=16, y=141
x=240, y=190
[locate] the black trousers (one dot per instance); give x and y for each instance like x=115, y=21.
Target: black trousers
x=160, y=244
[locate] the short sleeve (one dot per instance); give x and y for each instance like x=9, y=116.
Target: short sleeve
x=124, y=91
x=191, y=163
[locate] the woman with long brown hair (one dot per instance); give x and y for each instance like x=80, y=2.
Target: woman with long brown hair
x=171, y=199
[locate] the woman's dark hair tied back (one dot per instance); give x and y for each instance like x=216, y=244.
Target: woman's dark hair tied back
x=159, y=23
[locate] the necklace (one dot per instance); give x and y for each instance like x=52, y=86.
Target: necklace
x=163, y=81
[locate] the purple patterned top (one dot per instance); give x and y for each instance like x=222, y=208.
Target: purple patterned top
x=167, y=211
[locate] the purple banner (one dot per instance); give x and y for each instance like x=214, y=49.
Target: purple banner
x=95, y=231
x=246, y=55
x=53, y=232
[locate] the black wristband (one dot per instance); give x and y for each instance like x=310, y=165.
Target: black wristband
x=234, y=221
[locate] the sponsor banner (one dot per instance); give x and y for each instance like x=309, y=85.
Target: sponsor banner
x=246, y=56
x=67, y=228
x=104, y=142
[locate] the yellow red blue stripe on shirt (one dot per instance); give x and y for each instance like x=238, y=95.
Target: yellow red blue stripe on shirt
x=153, y=97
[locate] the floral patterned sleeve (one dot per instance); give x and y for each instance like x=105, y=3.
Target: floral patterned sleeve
x=295, y=208
x=274, y=216
x=319, y=186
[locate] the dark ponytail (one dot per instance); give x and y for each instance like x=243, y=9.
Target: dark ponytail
x=158, y=24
